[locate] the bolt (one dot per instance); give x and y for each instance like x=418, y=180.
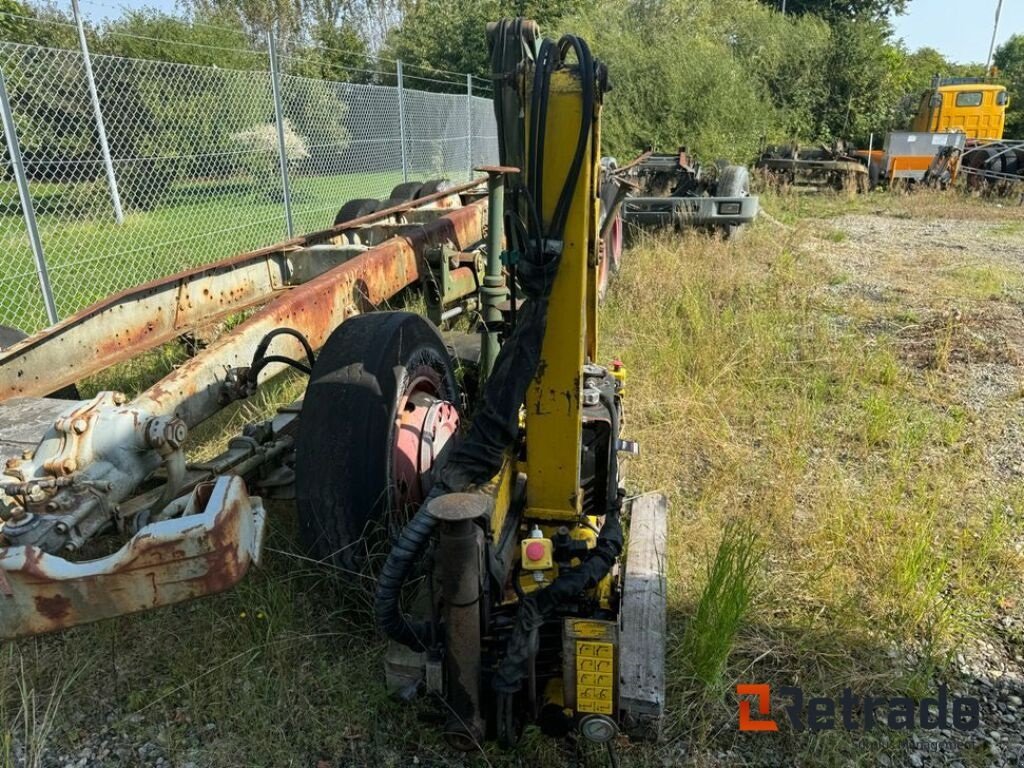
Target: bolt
x=79, y=426
x=61, y=528
x=69, y=465
x=12, y=463
x=28, y=454
x=119, y=398
x=52, y=506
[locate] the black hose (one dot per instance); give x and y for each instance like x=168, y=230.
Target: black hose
x=261, y=348
x=260, y=358
x=263, y=362
x=402, y=558
x=612, y=490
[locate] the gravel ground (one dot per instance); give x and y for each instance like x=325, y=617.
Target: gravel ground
x=896, y=269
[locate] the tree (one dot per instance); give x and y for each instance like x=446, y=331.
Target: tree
x=206, y=40
x=842, y=9
x=675, y=77
x=1009, y=60
x=451, y=34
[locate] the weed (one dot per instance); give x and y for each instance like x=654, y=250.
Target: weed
x=723, y=604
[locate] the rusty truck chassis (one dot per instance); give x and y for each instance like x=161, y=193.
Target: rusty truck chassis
x=74, y=470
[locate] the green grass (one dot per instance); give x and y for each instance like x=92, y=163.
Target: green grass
x=90, y=258
x=723, y=604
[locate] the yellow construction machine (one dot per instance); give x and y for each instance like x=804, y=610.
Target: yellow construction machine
x=504, y=589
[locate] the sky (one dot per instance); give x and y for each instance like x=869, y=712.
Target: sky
x=959, y=29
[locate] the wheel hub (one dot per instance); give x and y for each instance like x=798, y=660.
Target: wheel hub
x=426, y=424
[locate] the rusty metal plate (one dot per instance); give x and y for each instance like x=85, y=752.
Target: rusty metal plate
x=24, y=420
x=165, y=563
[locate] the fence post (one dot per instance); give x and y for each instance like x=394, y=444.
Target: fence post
x=101, y=131
x=401, y=119
x=275, y=80
x=14, y=149
x=469, y=126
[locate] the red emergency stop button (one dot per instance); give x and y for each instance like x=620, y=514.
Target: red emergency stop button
x=536, y=553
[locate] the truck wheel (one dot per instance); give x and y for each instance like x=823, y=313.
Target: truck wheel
x=615, y=242
x=431, y=186
x=611, y=255
x=406, y=191
x=733, y=181
x=11, y=336
x=874, y=175
x=378, y=413
x=354, y=209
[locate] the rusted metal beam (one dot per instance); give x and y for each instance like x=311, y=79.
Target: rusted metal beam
x=124, y=325
x=194, y=391
x=206, y=551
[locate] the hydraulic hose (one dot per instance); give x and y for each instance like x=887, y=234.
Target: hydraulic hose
x=402, y=558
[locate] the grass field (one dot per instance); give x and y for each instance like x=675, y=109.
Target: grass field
x=90, y=257
x=830, y=404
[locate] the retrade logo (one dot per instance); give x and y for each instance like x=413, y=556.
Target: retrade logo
x=853, y=711
x=763, y=692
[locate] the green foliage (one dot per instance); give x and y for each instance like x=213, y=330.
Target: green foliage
x=1009, y=60
x=451, y=34
x=704, y=97
x=788, y=56
x=717, y=75
x=150, y=34
x=723, y=604
x=843, y=9
x=867, y=79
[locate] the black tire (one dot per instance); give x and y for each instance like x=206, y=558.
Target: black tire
x=354, y=209
x=406, y=191
x=11, y=336
x=343, y=451
x=434, y=185
x=391, y=202
x=874, y=175
x=733, y=181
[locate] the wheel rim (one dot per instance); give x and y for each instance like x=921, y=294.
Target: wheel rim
x=615, y=238
x=424, y=424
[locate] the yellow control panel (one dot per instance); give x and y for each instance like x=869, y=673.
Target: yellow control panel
x=595, y=677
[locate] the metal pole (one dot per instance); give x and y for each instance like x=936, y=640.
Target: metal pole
x=14, y=149
x=995, y=31
x=469, y=127
x=275, y=81
x=493, y=291
x=115, y=196
x=401, y=119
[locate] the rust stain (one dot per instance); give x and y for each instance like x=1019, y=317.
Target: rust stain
x=55, y=608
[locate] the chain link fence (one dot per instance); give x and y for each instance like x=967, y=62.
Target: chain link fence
x=200, y=163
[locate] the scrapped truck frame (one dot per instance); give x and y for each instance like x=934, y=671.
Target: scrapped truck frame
x=673, y=190
x=75, y=469
x=825, y=166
